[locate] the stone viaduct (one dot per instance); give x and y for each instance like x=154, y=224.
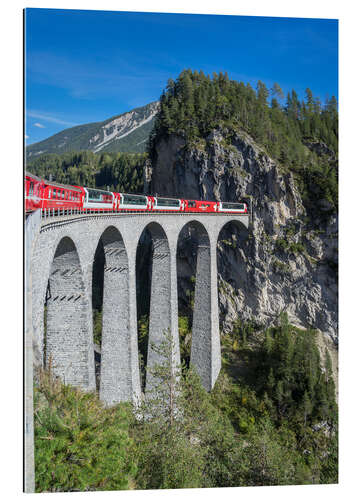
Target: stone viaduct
x=59, y=256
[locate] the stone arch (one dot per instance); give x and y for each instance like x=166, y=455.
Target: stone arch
x=161, y=318
x=205, y=345
x=69, y=343
x=115, y=378
x=239, y=227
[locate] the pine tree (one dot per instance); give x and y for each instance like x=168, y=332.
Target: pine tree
x=271, y=382
x=307, y=406
x=262, y=93
x=309, y=101
x=276, y=91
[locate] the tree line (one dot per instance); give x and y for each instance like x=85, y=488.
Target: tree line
x=114, y=171
x=274, y=423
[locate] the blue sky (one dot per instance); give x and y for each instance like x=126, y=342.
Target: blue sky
x=86, y=66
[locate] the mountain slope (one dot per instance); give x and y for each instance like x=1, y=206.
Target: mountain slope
x=214, y=139
x=127, y=133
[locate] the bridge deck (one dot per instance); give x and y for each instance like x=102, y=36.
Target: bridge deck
x=48, y=221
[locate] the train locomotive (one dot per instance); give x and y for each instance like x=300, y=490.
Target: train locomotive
x=57, y=198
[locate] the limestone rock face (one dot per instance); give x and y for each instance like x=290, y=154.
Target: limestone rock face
x=285, y=262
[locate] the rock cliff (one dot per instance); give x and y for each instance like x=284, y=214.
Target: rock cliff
x=287, y=261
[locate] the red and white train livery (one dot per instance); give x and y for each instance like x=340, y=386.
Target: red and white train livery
x=48, y=195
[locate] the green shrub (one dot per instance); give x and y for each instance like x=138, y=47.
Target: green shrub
x=79, y=444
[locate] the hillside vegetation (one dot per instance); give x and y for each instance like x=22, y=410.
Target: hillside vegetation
x=301, y=135
x=274, y=423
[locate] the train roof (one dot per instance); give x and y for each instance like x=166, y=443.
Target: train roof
x=62, y=186
x=132, y=194
x=52, y=183
x=33, y=176
x=98, y=189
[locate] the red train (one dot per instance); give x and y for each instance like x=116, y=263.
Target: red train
x=40, y=193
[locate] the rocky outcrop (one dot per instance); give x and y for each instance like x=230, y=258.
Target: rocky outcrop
x=286, y=262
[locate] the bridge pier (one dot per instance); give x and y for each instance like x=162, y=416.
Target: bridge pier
x=205, y=346
x=134, y=388
x=68, y=343
x=216, y=362
x=163, y=305
x=115, y=369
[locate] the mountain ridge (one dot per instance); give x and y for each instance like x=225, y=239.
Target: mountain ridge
x=127, y=132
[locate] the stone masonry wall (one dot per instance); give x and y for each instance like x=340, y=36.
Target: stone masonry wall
x=69, y=340
x=115, y=385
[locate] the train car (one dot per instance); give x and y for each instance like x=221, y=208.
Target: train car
x=167, y=204
x=33, y=192
x=232, y=208
x=49, y=195
x=62, y=197
x=98, y=200
x=200, y=206
x=134, y=202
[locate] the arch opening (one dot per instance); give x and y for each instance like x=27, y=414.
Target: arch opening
x=232, y=281
x=194, y=292
x=143, y=266
x=97, y=306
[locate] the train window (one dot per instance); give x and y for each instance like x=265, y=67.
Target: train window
x=191, y=204
x=167, y=202
x=132, y=199
x=99, y=196
x=233, y=206
x=49, y=193
x=205, y=205
x=31, y=189
x=94, y=195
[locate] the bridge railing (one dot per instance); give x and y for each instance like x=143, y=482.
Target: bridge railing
x=50, y=213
